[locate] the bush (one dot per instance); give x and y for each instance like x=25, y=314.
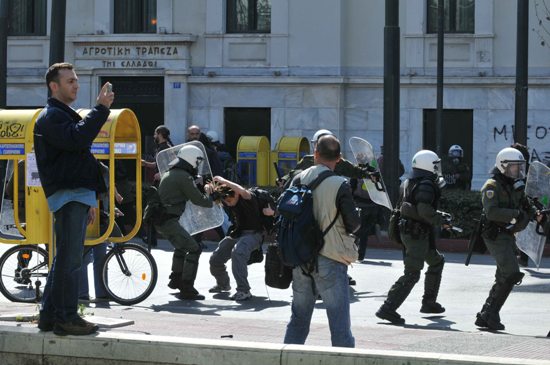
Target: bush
x=465, y=207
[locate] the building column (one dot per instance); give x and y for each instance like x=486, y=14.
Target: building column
x=176, y=105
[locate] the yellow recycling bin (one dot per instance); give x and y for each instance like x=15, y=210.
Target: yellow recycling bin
x=288, y=152
x=253, y=154
x=119, y=139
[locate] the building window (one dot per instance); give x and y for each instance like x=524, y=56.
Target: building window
x=459, y=16
x=27, y=17
x=135, y=16
x=248, y=16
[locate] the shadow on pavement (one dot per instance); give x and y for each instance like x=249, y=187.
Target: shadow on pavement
x=533, y=288
x=538, y=274
x=376, y=263
x=255, y=304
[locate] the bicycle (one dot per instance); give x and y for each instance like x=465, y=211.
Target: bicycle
x=129, y=273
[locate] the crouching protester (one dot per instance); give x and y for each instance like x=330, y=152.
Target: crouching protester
x=329, y=279
x=244, y=237
x=177, y=186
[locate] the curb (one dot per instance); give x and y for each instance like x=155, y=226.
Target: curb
x=29, y=346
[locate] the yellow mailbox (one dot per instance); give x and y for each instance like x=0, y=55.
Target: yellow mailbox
x=119, y=138
x=253, y=154
x=288, y=152
x=16, y=144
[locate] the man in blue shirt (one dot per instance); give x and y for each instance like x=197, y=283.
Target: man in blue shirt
x=71, y=178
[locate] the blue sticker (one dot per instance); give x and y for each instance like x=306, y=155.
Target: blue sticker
x=100, y=148
x=12, y=149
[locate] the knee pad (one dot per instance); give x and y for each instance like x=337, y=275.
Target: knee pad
x=411, y=277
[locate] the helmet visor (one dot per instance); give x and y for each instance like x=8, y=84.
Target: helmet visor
x=455, y=153
x=437, y=168
x=515, y=169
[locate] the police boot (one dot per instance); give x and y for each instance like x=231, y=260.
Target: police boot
x=490, y=317
x=188, y=292
x=396, y=296
x=175, y=280
x=432, y=282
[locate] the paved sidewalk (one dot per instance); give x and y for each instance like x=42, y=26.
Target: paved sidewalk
x=264, y=317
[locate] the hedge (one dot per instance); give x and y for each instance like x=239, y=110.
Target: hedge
x=465, y=207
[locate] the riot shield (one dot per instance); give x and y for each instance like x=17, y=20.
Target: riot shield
x=194, y=219
x=537, y=187
x=364, y=155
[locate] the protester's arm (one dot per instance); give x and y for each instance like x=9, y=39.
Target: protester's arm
x=190, y=190
x=61, y=131
x=238, y=189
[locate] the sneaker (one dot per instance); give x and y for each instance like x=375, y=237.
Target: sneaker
x=219, y=288
x=77, y=327
x=239, y=296
x=389, y=314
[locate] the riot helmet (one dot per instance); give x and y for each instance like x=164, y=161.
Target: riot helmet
x=212, y=136
x=190, y=154
x=456, y=153
x=427, y=163
x=511, y=163
x=319, y=133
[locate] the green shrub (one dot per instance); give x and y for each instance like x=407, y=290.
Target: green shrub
x=465, y=207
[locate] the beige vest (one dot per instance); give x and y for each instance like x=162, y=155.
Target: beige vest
x=339, y=246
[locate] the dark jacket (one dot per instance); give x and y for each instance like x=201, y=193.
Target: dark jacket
x=62, y=141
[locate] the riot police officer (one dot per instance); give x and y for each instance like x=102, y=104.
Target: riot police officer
x=419, y=200
x=177, y=186
x=456, y=172
x=343, y=168
x=507, y=211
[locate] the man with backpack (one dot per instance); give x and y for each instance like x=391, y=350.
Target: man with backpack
x=337, y=218
x=245, y=237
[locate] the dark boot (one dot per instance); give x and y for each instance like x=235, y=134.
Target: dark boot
x=432, y=282
x=175, y=280
x=489, y=316
x=188, y=292
x=396, y=296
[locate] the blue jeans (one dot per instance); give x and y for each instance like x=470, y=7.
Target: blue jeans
x=96, y=255
x=60, y=299
x=238, y=250
x=331, y=282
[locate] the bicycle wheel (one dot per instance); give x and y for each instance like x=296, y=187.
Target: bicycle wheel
x=21, y=269
x=129, y=273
